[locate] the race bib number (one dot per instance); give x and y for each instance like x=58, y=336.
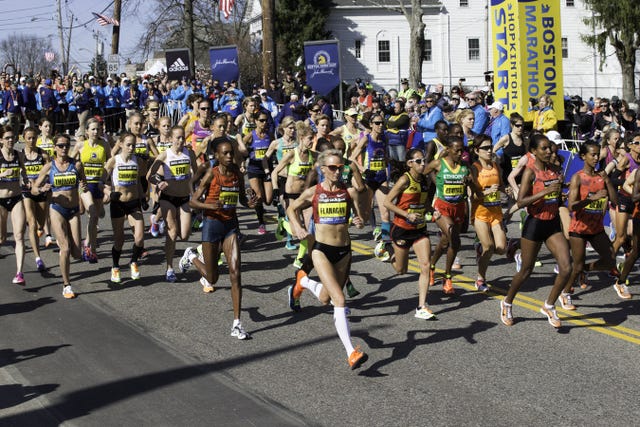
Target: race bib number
x=492, y=199
x=93, y=171
x=33, y=170
x=180, y=169
x=332, y=212
x=127, y=176
x=453, y=191
x=13, y=176
x=377, y=165
x=260, y=153
x=229, y=197
x=596, y=206
x=65, y=179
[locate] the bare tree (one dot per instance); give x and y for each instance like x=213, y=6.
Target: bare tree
x=412, y=11
x=26, y=53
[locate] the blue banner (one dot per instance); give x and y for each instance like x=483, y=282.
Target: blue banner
x=322, y=64
x=224, y=63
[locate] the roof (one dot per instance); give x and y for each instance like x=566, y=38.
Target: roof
x=367, y=4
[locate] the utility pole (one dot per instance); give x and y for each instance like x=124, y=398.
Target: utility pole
x=268, y=44
x=95, y=68
x=188, y=34
x=68, y=44
x=60, y=34
x=115, y=37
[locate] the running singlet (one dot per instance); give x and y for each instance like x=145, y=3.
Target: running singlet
x=226, y=189
x=10, y=165
x=198, y=135
x=247, y=126
x=125, y=174
x=413, y=200
x=450, y=186
x=298, y=168
x=487, y=178
x=177, y=167
x=93, y=160
x=511, y=155
x=63, y=180
x=33, y=167
x=375, y=159
x=632, y=166
x=331, y=207
x=349, y=138
x=142, y=148
x=284, y=149
x=259, y=147
x=163, y=146
x=547, y=207
x=47, y=146
x=589, y=219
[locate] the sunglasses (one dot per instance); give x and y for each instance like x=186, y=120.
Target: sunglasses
x=204, y=108
x=634, y=143
x=377, y=123
x=419, y=161
x=315, y=111
x=157, y=109
x=429, y=101
x=470, y=99
x=262, y=120
x=518, y=125
x=62, y=145
x=334, y=168
x=486, y=147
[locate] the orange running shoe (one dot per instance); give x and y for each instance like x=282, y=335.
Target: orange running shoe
x=357, y=358
x=447, y=287
x=297, y=288
x=432, y=276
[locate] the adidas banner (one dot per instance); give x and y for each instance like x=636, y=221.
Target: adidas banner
x=224, y=63
x=322, y=64
x=178, y=64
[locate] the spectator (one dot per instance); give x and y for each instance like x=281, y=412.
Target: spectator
x=606, y=116
x=499, y=124
x=48, y=101
x=429, y=118
x=474, y=99
x=544, y=118
x=275, y=92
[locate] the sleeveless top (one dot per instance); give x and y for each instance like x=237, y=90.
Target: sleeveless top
x=298, y=168
x=13, y=165
x=63, y=180
x=282, y=149
x=163, y=146
x=93, y=160
x=589, y=219
x=440, y=147
x=349, y=138
x=331, y=207
x=33, y=167
x=226, y=189
x=198, y=135
x=450, y=186
x=257, y=152
x=47, y=146
x=413, y=200
x=142, y=148
x=547, y=207
x=125, y=174
x=177, y=167
x=490, y=203
x=511, y=155
x=375, y=159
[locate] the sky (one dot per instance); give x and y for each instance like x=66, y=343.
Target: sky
x=38, y=18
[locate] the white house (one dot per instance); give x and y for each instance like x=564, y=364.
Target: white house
x=374, y=44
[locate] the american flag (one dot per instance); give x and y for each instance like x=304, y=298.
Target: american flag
x=105, y=20
x=225, y=7
x=49, y=56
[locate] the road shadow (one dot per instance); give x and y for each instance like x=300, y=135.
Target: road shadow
x=17, y=394
x=9, y=356
x=24, y=306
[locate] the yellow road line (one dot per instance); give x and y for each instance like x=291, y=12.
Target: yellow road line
x=533, y=304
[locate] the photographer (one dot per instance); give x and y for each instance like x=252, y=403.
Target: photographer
x=581, y=116
x=606, y=116
x=627, y=117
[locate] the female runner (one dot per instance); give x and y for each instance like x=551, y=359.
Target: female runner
x=45, y=142
x=223, y=187
x=540, y=193
x=171, y=173
x=452, y=178
x=162, y=143
x=36, y=207
x=588, y=194
x=199, y=128
x=11, y=201
x=486, y=208
x=124, y=190
x=332, y=204
x=408, y=200
x=245, y=123
x=64, y=177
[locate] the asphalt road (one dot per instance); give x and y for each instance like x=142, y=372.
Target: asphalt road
x=156, y=353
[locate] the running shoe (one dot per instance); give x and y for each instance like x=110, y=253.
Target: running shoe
x=538, y=263
x=506, y=315
x=262, y=229
x=589, y=248
x=40, y=232
x=356, y=358
x=552, y=316
x=622, y=290
x=432, y=276
x=185, y=262
x=40, y=264
x=92, y=257
x=67, y=292
x=48, y=241
x=135, y=271
x=86, y=253
x=352, y=292
x=566, y=302
x=481, y=286
x=294, y=303
x=154, y=229
x=380, y=252
x=19, y=279
x=447, y=287
x=280, y=231
x=171, y=276
x=584, y=284
x=518, y=259
x=239, y=332
x=424, y=313
x=377, y=234
x=456, y=264
x=614, y=273
x=297, y=263
x=207, y=287
x=115, y=275
x=290, y=246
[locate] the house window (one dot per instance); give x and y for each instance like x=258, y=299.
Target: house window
x=565, y=48
x=426, y=53
x=358, y=49
x=464, y=3
x=570, y=3
x=384, y=51
x=474, y=49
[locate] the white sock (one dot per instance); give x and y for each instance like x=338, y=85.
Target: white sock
x=236, y=322
x=312, y=285
x=547, y=306
x=193, y=256
x=342, y=327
